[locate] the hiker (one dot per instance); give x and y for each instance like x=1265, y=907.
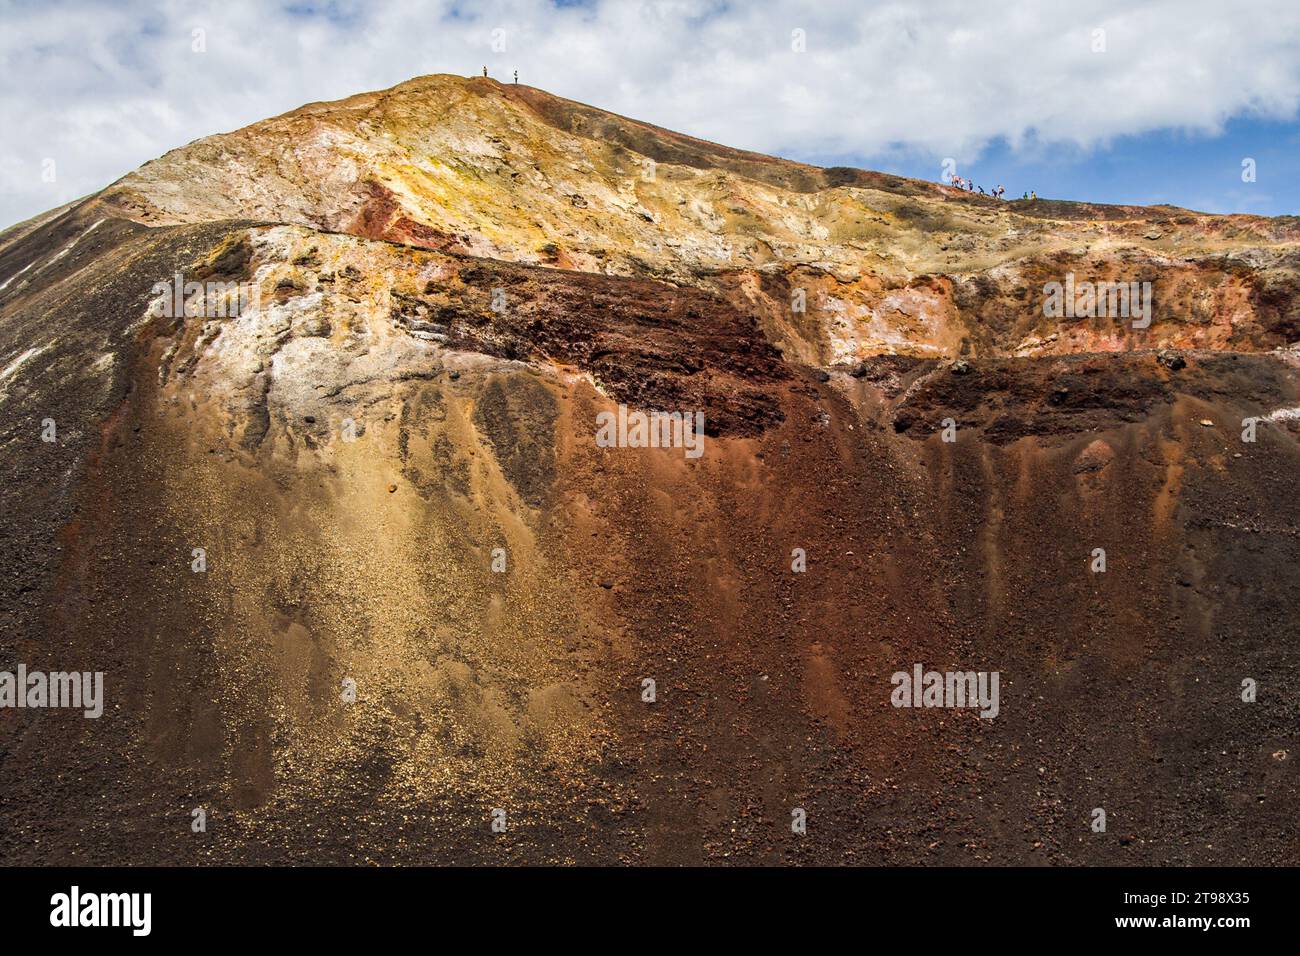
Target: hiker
x=485, y=72
x=516, y=77
x=982, y=191
x=1033, y=195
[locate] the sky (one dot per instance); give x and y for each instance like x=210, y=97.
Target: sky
x=1194, y=103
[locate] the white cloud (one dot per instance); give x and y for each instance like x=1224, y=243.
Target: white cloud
x=102, y=88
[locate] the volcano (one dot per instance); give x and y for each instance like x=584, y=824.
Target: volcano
x=300, y=454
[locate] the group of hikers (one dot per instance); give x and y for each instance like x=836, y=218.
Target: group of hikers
x=997, y=193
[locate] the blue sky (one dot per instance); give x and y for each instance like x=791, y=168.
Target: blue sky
x=1199, y=171
x=1141, y=101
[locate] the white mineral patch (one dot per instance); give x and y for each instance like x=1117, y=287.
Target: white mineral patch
x=68, y=248
x=18, y=362
x=5, y=284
